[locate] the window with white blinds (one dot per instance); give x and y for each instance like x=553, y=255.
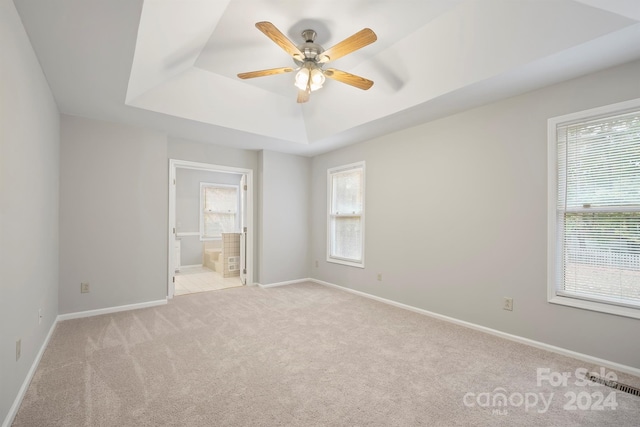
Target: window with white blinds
x=218, y=210
x=345, y=243
x=597, y=209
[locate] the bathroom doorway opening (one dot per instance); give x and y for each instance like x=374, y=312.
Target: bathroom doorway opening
x=210, y=238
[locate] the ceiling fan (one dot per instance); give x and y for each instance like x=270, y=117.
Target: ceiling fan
x=310, y=58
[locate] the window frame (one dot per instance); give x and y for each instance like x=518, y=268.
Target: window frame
x=330, y=237
x=555, y=256
x=202, y=213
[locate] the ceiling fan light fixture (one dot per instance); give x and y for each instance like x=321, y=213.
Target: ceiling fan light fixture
x=317, y=79
x=302, y=78
x=309, y=77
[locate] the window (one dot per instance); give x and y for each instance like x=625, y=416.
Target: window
x=346, y=215
x=594, y=209
x=218, y=210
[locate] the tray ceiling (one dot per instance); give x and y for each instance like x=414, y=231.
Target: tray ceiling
x=172, y=64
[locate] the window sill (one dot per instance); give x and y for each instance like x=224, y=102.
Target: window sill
x=345, y=262
x=596, y=306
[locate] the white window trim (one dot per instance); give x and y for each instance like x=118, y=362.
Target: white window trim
x=337, y=260
x=552, y=242
x=201, y=211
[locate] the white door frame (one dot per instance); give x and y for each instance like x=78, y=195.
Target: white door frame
x=184, y=164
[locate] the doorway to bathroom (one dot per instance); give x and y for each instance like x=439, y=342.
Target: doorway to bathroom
x=210, y=242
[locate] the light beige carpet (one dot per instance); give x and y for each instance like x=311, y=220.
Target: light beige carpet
x=299, y=355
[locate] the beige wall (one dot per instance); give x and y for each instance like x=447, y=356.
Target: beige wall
x=29, y=166
x=456, y=218
x=284, y=212
x=113, y=214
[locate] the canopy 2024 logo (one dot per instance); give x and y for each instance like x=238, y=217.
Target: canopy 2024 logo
x=500, y=400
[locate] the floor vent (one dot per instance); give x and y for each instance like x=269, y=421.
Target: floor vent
x=615, y=385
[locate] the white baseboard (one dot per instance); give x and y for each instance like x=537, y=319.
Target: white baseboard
x=552, y=348
x=13, y=411
x=25, y=385
x=288, y=282
x=90, y=313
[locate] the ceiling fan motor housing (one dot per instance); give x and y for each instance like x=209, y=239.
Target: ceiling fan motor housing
x=309, y=48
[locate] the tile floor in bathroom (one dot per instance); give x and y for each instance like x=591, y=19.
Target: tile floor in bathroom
x=200, y=279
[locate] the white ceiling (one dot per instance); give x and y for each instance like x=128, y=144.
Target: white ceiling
x=171, y=64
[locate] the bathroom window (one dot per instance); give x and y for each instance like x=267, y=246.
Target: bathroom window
x=594, y=209
x=345, y=227
x=218, y=210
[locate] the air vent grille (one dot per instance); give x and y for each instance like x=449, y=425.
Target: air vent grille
x=615, y=385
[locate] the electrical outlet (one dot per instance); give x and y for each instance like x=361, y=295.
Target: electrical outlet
x=39, y=316
x=379, y=277
x=84, y=287
x=18, y=349
x=507, y=304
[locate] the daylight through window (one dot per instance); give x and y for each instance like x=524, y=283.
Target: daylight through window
x=218, y=210
x=346, y=215
x=597, y=211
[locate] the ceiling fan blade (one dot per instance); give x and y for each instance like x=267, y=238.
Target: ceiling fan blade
x=303, y=96
x=280, y=39
x=348, y=78
x=262, y=73
x=359, y=40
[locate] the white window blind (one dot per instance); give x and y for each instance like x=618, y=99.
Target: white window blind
x=219, y=207
x=598, y=209
x=346, y=215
